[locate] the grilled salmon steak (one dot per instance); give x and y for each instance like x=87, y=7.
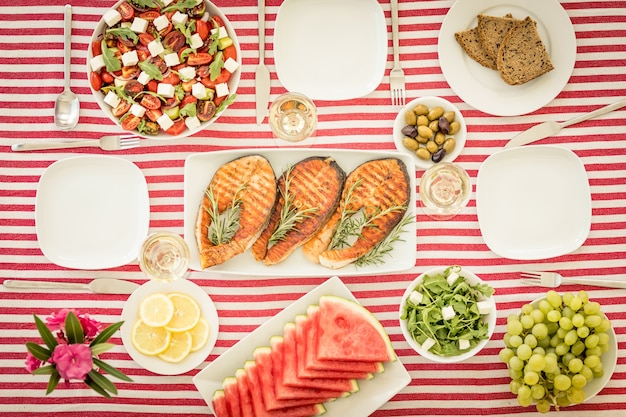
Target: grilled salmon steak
x=308, y=194
x=246, y=185
x=379, y=191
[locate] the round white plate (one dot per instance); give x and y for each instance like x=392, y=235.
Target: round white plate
x=130, y=314
x=533, y=202
x=92, y=212
x=330, y=49
x=482, y=87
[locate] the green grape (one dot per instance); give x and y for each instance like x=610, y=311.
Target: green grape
x=524, y=392
x=519, y=375
x=554, y=298
x=567, y=298
x=567, y=312
x=527, y=321
x=515, y=385
x=561, y=332
x=543, y=406
x=524, y=352
x=604, y=326
x=570, y=338
x=579, y=381
x=524, y=402
x=593, y=320
x=562, y=382
x=575, y=365
x=551, y=364
x=539, y=351
x=537, y=362
x=506, y=354
x=592, y=361
x=563, y=401
x=587, y=372
x=514, y=328
x=530, y=340
x=566, y=323
x=592, y=341
x=582, y=294
x=527, y=308
x=554, y=316
x=578, y=348
x=531, y=378
x=566, y=358
x=591, y=308
x=578, y=320
x=512, y=317
x=582, y=332
x=576, y=395
x=555, y=341
x=603, y=339
x=515, y=341
x=561, y=349
x=516, y=363
x=576, y=303
x=537, y=315
x=537, y=391
x=540, y=331
x=545, y=306
x=596, y=351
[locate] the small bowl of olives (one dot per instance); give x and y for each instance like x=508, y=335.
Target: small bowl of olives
x=431, y=129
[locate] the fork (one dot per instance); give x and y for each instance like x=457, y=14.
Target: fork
x=554, y=279
x=396, y=76
x=107, y=143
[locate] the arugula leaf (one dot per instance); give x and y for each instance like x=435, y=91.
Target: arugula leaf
x=152, y=4
x=189, y=110
x=229, y=100
x=215, y=67
x=110, y=61
x=151, y=69
x=124, y=32
x=181, y=6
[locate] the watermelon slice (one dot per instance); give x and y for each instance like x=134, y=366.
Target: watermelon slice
x=312, y=361
x=219, y=404
x=231, y=392
x=348, y=331
x=257, y=399
x=290, y=368
x=244, y=393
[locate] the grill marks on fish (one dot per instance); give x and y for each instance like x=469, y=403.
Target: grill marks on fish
x=376, y=186
x=252, y=181
x=314, y=189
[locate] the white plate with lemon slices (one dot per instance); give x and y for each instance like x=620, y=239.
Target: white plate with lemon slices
x=182, y=331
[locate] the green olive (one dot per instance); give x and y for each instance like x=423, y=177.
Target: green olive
x=454, y=128
x=421, y=140
x=422, y=120
x=410, y=118
x=432, y=146
x=449, y=145
x=420, y=110
x=422, y=153
x=409, y=143
x=435, y=113
x=440, y=138
x=425, y=132
x=450, y=116
x=434, y=125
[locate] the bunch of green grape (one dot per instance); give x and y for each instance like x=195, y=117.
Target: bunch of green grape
x=553, y=349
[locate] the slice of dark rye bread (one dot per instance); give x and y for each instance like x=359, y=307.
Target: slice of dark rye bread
x=470, y=43
x=492, y=30
x=522, y=55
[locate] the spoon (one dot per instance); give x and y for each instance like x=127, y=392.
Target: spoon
x=66, y=107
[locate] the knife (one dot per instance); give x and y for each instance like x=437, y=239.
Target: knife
x=98, y=286
x=550, y=128
x=262, y=75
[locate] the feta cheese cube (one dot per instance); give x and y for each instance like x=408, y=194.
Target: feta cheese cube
x=223, y=33
x=143, y=78
x=192, y=123
x=231, y=65
x=155, y=47
x=416, y=297
x=166, y=90
x=111, y=17
x=112, y=99
x=448, y=312
x=130, y=58
x=139, y=25
x=196, y=41
x=464, y=344
x=484, y=307
x=97, y=63
x=166, y=2
x=452, y=277
x=138, y=110
x=171, y=59
x=187, y=73
x=165, y=122
x=221, y=89
x=179, y=18
x=199, y=91
x=161, y=22
x=428, y=343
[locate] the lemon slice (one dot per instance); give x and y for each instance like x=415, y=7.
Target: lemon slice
x=156, y=310
x=199, y=334
x=149, y=340
x=178, y=349
x=186, y=313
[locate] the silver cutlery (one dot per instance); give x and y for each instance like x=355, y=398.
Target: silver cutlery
x=97, y=286
x=67, y=107
x=396, y=76
x=550, y=128
x=262, y=74
x=554, y=280
x=107, y=143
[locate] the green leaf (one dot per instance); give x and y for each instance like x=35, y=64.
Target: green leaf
x=215, y=67
x=107, y=333
x=189, y=110
x=94, y=386
x=181, y=6
x=73, y=329
x=111, y=370
x=102, y=381
x=142, y=4
x=46, y=334
x=229, y=100
x=45, y=370
x=110, y=61
x=101, y=348
x=53, y=381
x=151, y=69
x=38, y=351
x=124, y=32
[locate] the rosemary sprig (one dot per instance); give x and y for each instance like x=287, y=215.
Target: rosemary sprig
x=290, y=215
x=223, y=227
x=378, y=252
x=346, y=227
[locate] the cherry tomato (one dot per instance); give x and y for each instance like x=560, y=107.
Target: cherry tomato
x=230, y=52
x=106, y=77
x=222, y=78
x=153, y=85
x=133, y=87
x=187, y=100
x=174, y=41
x=188, y=85
x=153, y=114
x=130, y=72
x=171, y=78
x=123, y=46
x=218, y=100
x=202, y=28
x=203, y=71
x=130, y=122
x=177, y=128
x=150, y=102
x=95, y=80
x=171, y=103
x=206, y=110
x=217, y=21
x=126, y=11
x=143, y=54
x=121, y=108
x=145, y=38
x=159, y=62
x=96, y=48
x=201, y=58
x=150, y=15
x=166, y=30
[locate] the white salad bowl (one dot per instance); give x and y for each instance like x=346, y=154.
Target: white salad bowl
x=489, y=318
x=232, y=83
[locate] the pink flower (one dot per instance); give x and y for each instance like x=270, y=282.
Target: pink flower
x=32, y=362
x=56, y=322
x=72, y=361
x=90, y=326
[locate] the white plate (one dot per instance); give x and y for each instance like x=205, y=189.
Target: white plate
x=533, y=202
x=92, y=212
x=372, y=394
x=482, y=87
x=330, y=49
x=199, y=169
x=130, y=314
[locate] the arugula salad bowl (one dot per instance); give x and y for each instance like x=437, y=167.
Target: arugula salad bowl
x=163, y=72
x=448, y=314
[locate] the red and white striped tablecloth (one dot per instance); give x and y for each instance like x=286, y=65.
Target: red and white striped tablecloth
x=31, y=75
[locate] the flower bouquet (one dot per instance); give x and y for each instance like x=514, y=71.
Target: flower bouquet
x=73, y=354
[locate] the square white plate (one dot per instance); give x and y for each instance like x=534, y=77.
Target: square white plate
x=92, y=212
x=330, y=49
x=372, y=394
x=200, y=168
x=533, y=202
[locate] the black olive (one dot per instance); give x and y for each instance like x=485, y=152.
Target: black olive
x=409, y=131
x=438, y=156
x=444, y=125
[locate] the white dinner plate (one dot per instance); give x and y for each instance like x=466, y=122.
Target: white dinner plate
x=372, y=393
x=330, y=49
x=533, y=202
x=200, y=167
x=92, y=212
x=130, y=315
x=482, y=87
